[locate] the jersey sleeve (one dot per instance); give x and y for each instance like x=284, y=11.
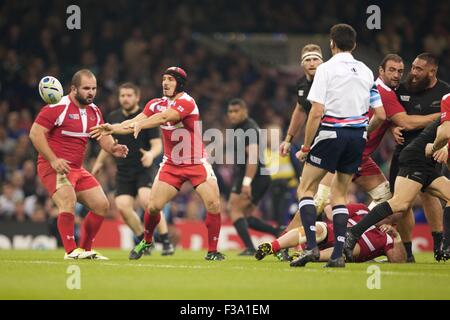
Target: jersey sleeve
x=445, y=108
x=375, y=98
x=184, y=107
x=391, y=104
x=149, y=107
x=317, y=93
x=48, y=115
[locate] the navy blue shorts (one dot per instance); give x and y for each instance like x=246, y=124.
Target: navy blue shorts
x=338, y=149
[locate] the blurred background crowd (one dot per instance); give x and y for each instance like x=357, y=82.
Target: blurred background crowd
x=136, y=40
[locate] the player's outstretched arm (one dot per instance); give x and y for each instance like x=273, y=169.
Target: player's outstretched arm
x=170, y=115
x=99, y=162
x=442, y=136
x=413, y=122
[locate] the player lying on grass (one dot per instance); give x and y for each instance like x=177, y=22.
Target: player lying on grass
x=377, y=241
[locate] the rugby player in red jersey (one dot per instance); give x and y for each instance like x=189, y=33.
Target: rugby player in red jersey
x=60, y=134
x=376, y=241
x=177, y=114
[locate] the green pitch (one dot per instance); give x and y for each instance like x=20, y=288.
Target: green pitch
x=186, y=275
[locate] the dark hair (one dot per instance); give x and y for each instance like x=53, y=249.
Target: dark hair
x=429, y=58
x=238, y=102
x=130, y=85
x=343, y=36
x=76, y=79
x=390, y=57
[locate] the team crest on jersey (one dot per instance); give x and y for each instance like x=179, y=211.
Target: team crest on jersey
x=92, y=118
x=74, y=116
x=301, y=93
x=405, y=98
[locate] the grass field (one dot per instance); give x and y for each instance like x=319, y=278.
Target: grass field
x=186, y=275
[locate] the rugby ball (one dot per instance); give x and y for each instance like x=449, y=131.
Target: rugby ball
x=50, y=89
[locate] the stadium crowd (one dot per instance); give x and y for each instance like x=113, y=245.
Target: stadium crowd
x=137, y=48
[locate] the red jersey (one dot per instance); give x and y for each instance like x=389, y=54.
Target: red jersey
x=373, y=242
x=182, y=140
x=445, y=108
x=391, y=107
x=68, y=127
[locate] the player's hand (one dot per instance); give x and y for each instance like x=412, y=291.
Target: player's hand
x=60, y=165
x=246, y=191
x=385, y=228
x=441, y=155
x=301, y=155
x=285, y=147
x=101, y=130
x=119, y=150
x=96, y=168
x=137, y=128
x=147, y=158
x=429, y=150
x=398, y=135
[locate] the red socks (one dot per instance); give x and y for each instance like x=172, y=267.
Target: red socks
x=213, y=223
x=150, y=223
x=91, y=224
x=66, y=228
x=275, y=246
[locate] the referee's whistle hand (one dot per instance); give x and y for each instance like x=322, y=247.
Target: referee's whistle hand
x=301, y=155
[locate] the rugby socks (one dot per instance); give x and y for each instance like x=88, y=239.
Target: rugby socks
x=164, y=239
x=138, y=239
x=446, y=227
x=150, y=223
x=275, y=246
x=91, y=224
x=66, y=228
x=408, y=248
x=308, y=215
x=340, y=218
x=437, y=240
x=259, y=225
x=242, y=230
x=213, y=223
x=378, y=213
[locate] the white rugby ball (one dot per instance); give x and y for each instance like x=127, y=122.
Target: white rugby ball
x=50, y=89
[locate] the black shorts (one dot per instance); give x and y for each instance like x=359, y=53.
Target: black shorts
x=128, y=182
x=393, y=171
x=424, y=176
x=338, y=149
x=260, y=185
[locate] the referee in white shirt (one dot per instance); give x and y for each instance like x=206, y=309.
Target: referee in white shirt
x=341, y=94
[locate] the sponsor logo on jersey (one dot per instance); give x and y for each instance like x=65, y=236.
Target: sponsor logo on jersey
x=74, y=116
x=405, y=98
x=301, y=93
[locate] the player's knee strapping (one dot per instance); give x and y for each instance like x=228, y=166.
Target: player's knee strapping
x=321, y=233
x=379, y=194
x=321, y=197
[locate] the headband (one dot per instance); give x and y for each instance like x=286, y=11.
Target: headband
x=311, y=54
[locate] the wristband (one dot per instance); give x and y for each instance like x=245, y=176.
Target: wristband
x=305, y=149
x=247, y=181
x=288, y=138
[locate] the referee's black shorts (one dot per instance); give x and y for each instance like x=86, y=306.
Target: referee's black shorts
x=338, y=149
x=260, y=184
x=129, y=181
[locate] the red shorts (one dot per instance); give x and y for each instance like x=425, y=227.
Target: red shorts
x=368, y=167
x=176, y=175
x=78, y=178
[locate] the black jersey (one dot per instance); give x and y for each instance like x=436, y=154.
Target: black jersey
x=414, y=153
x=421, y=103
x=133, y=160
x=303, y=86
x=246, y=133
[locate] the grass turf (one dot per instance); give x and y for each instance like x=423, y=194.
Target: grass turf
x=186, y=275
